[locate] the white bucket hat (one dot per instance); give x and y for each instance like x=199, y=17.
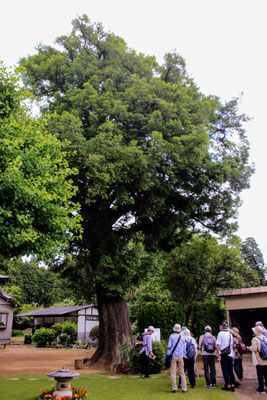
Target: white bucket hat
x=177, y=328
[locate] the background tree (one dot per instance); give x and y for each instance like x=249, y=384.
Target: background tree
x=155, y=157
x=253, y=257
x=150, y=289
x=36, y=213
x=37, y=284
x=197, y=269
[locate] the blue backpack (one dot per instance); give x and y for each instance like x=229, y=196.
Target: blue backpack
x=263, y=352
x=190, y=349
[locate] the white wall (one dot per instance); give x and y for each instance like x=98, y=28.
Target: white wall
x=85, y=324
x=5, y=333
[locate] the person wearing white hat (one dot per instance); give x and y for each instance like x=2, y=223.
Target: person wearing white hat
x=146, y=351
x=264, y=330
x=189, y=360
x=260, y=364
x=176, y=346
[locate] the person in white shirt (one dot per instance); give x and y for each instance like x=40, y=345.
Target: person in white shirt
x=225, y=341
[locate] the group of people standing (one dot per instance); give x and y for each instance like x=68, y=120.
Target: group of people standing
x=228, y=348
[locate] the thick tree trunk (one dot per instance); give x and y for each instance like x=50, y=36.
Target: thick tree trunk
x=114, y=329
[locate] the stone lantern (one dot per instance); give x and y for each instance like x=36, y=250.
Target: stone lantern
x=63, y=378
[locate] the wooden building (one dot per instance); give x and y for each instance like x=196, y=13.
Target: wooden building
x=7, y=306
x=86, y=317
x=245, y=307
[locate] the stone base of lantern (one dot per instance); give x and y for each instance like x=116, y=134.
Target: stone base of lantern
x=63, y=393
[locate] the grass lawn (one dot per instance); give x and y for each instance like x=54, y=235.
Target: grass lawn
x=104, y=387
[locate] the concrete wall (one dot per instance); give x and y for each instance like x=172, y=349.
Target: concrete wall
x=5, y=333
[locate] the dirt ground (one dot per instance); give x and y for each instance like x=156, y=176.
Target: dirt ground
x=27, y=359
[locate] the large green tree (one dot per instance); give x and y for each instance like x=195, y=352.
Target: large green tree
x=155, y=157
x=36, y=211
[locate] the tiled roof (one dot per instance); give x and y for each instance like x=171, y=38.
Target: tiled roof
x=54, y=311
x=243, y=291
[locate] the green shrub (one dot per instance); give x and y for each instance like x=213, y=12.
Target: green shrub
x=206, y=313
x=70, y=328
x=57, y=329
x=43, y=336
x=160, y=315
x=17, y=332
x=94, y=333
x=66, y=328
x=65, y=339
x=156, y=366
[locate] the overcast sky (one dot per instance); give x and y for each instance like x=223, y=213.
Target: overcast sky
x=222, y=42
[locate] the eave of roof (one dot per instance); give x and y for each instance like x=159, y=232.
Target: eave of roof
x=243, y=291
x=54, y=311
x=4, y=278
x=9, y=299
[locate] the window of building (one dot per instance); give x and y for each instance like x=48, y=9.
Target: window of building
x=92, y=318
x=3, y=319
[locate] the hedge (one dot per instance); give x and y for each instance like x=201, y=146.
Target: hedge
x=210, y=313
x=160, y=315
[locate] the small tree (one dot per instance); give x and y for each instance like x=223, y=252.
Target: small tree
x=43, y=336
x=94, y=333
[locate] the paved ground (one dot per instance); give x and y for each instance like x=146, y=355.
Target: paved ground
x=249, y=383
x=21, y=359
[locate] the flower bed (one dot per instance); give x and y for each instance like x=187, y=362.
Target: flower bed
x=77, y=394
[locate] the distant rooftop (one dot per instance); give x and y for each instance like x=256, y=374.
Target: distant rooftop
x=54, y=311
x=243, y=291
x=4, y=278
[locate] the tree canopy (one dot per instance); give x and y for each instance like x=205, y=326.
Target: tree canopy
x=156, y=157
x=36, y=210
x=197, y=269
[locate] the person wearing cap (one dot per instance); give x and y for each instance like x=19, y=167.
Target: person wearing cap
x=260, y=364
x=146, y=351
x=238, y=365
x=264, y=330
x=177, y=340
x=208, y=357
x=225, y=339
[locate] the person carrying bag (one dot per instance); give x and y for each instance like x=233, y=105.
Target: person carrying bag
x=168, y=358
x=176, y=346
x=225, y=348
